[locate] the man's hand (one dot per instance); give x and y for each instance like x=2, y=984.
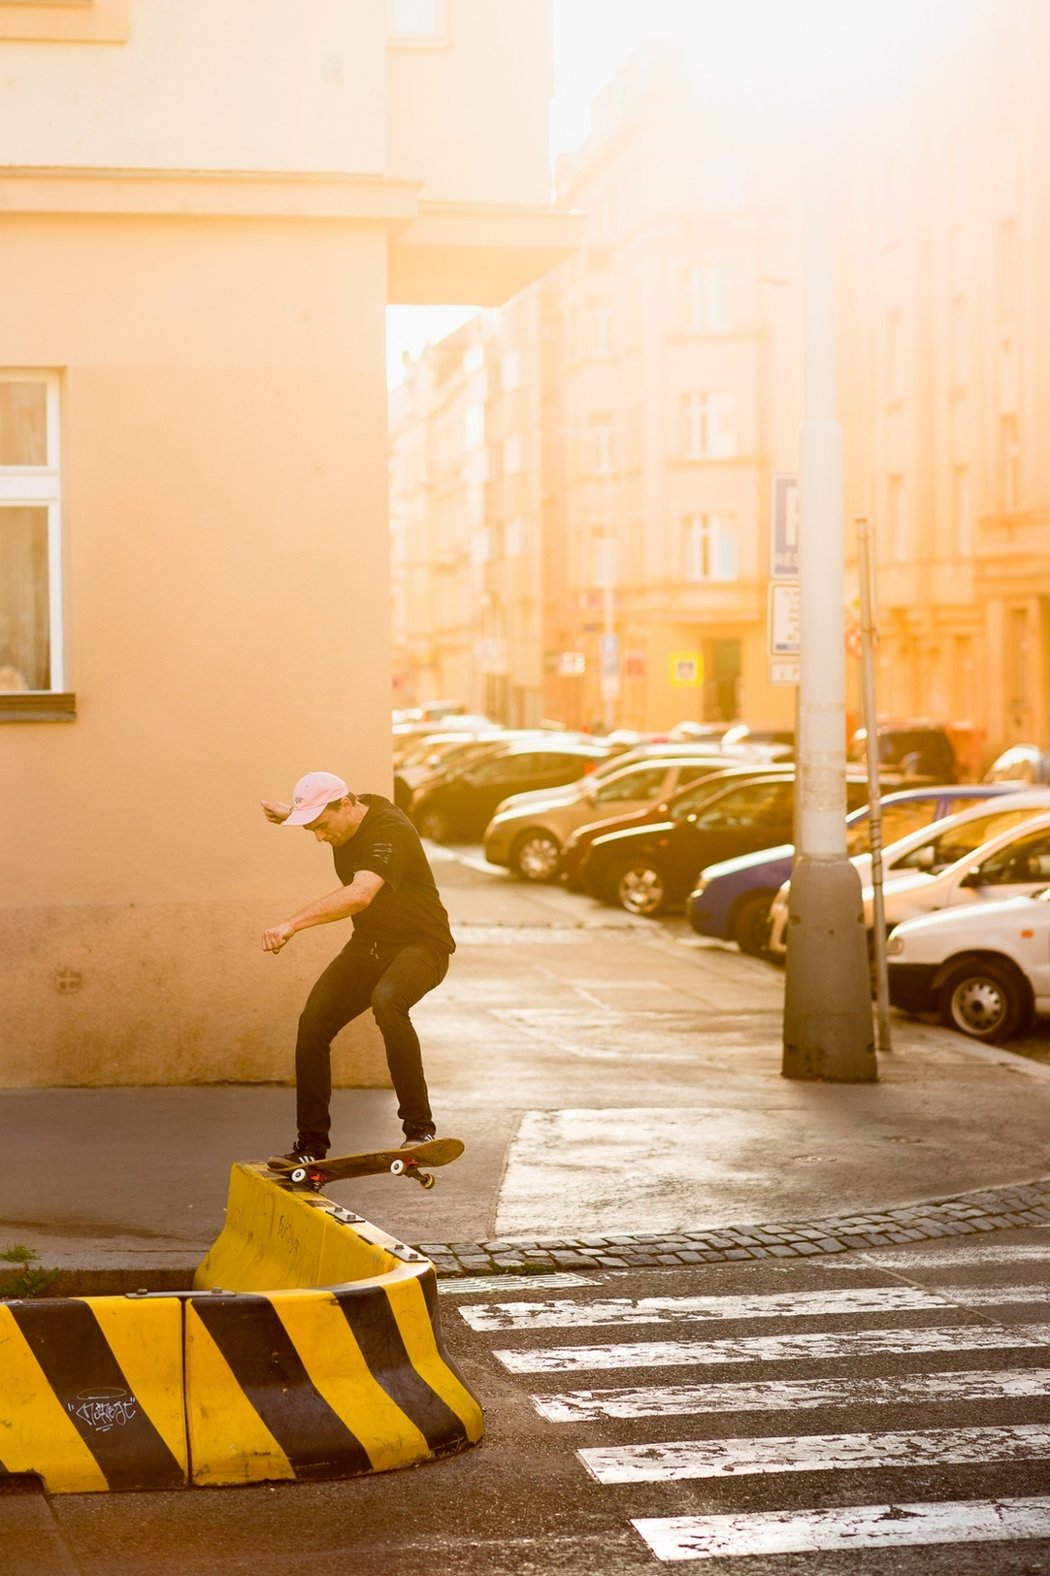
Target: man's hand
x=276, y=812
x=276, y=937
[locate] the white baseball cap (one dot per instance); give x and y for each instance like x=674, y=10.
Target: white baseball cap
x=312, y=794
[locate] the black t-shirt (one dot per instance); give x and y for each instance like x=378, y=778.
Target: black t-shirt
x=407, y=908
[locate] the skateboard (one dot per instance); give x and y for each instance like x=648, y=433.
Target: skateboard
x=408, y=1162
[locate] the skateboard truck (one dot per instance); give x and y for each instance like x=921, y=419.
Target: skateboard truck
x=410, y=1168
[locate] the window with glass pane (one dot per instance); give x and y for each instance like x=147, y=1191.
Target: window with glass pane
x=23, y=423
x=25, y=626
x=709, y=547
x=416, y=19
x=708, y=426
x=30, y=643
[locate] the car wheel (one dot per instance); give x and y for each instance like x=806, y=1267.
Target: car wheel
x=985, y=999
x=751, y=923
x=536, y=855
x=434, y=824
x=640, y=889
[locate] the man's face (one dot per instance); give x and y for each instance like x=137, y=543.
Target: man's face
x=336, y=826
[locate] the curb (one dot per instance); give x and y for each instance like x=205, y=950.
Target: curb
x=309, y=1348
x=987, y=1209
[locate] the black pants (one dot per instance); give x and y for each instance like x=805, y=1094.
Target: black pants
x=390, y=980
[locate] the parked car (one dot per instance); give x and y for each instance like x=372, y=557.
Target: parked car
x=430, y=711
x=649, y=869
x=407, y=734
x=745, y=900
x=771, y=744
x=461, y=803
x=1021, y=763
x=721, y=771
x=617, y=759
x=915, y=749
x=984, y=970
x=930, y=873
x=528, y=830
x=418, y=769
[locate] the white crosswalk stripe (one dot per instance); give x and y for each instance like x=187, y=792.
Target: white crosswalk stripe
x=697, y=1458
x=577, y=1406
x=560, y=1315
x=830, y=1451
x=772, y=1348
x=854, y=1528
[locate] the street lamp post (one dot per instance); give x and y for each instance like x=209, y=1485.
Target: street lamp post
x=827, y=1032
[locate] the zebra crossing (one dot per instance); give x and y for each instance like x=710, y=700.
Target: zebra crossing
x=857, y=1322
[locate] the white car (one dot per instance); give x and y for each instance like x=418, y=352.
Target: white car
x=925, y=853
x=984, y=970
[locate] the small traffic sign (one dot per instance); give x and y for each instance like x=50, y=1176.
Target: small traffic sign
x=783, y=527
x=785, y=619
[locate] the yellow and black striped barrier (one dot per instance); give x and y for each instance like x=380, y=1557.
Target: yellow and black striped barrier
x=238, y=1381
x=91, y=1392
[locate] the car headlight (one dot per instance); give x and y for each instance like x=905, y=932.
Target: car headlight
x=895, y=946
x=701, y=887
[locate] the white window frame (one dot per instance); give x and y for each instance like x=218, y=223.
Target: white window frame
x=708, y=426
x=710, y=548
x=601, y=327
x=40, y=486
x=710, y=298
x=601, y=434
x=400, y=32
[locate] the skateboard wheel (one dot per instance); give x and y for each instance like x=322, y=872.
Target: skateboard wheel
x=397, y=1167
x=299, y=1174
x=426, y=1179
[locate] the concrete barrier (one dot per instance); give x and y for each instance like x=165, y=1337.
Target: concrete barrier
x=308, y=1348
x=91, y=1392
x=335, y=1365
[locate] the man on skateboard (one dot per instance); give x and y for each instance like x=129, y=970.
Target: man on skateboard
x=399, y=949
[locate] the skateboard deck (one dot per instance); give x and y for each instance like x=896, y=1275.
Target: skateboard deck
x=408, y=1162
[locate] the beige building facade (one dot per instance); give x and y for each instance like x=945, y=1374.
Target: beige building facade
x=668, y=355
x=637, y=403
x=945, y=348
x=204, y=213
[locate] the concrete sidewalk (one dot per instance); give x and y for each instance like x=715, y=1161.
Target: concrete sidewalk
x=618, y=1086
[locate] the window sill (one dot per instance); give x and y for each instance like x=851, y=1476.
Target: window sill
x=37, y=706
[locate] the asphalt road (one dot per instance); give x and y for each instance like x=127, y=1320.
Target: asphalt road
x=869, y=1414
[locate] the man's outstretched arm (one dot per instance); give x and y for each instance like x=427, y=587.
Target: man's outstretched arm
x=342, y=904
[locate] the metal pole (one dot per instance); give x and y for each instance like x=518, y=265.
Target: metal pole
x=827, y=1000
x=866, y=570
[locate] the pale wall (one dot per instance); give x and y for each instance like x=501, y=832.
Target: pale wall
x=225, y=483
x=464, y=119
x=201, y=85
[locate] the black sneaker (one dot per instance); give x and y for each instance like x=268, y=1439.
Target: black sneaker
x=298, y=1157
x=426, y=1135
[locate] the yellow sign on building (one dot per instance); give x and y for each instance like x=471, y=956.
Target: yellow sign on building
x=687, y=668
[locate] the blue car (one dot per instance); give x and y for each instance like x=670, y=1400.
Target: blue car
x=731, y=900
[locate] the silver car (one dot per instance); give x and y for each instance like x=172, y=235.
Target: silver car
x=527, y=837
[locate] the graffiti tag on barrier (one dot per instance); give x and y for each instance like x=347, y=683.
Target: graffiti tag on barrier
x=287, y=1235
x=103, y=1409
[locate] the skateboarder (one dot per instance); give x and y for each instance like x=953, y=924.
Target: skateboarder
x=399, y=949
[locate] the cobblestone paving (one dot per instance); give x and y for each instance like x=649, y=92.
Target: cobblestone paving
x=990, y=1209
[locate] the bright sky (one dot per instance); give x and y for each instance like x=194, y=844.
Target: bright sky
x=758, y=44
